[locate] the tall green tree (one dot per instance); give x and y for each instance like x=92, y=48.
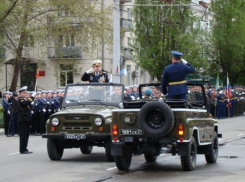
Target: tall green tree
x=227, y=43
x=158, y=30
x=40, y=23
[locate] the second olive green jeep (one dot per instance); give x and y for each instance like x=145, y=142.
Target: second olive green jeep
x=84, y=120
x=157, y=125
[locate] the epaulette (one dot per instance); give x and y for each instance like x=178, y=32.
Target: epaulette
x=104, y=72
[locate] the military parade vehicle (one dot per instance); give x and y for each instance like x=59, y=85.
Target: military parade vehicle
x=84, y=120
x=156, y=125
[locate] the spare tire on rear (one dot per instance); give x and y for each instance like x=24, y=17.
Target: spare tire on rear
x=156, y=119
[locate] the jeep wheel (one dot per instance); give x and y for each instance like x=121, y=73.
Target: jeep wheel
x=86, y=149
x=109, y=157
x=156, y=119
x=150, y=158
x=55, y=151
x=123, y=162
x=213, y=149
x=189, y=162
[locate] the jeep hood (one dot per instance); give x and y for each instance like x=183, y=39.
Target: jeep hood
x=95, y=110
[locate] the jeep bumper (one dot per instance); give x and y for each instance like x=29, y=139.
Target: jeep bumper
x=88, y=136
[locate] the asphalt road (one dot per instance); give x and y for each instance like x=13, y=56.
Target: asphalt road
x=75, y=166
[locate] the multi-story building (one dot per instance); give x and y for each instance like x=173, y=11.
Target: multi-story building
x=65, y=63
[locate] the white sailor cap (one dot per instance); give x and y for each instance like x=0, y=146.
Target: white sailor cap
x=43, y=91
x=38, y=93
x=7, y=92
x=59, y=91
x=23, y=89
x=49, y=91
x=96, y=62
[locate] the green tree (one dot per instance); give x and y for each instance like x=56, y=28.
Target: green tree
x=227, y=43
x=41, y=23
x=6, y=7
x=158, y=30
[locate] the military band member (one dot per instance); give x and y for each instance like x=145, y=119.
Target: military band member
x=173, y=79
x=24, y=119
x=43, y=112
x=56, y=101
x=95, y=74
x=36, y=112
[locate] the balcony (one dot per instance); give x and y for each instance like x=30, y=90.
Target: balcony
x=126, y=1
x=126, y=24
x=127, y=53
x=64, y=52
x=2, y=53
x=64, y=21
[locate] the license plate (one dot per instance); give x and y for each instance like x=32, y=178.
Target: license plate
x=74, y=136
x=131, y=132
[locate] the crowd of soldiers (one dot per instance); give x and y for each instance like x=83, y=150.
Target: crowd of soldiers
x=222, y=107
x=43, y=105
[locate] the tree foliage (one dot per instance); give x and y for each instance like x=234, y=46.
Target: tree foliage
x=227, y=43
x=158, y=30
x=41, y=23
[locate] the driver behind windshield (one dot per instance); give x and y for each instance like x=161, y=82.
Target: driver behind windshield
x=117, y=95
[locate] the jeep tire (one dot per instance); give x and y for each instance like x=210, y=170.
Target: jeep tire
x=86, y=149
x=189, y=162
x=109, y=157
x=156, y=119
x=55, y=151
x=212, y=155
x=123, y=162
x=150, y=158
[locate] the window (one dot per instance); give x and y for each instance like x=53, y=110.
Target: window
x=128, y=74
x=69, y=40
x=28, y=41
x=129, y=42
x=129, y=13
x=66, y=74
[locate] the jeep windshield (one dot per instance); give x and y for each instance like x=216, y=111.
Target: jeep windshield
x=93, y=94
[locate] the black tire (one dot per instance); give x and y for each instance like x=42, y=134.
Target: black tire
x=150, y=158
x=189, y=162
x=156, y=119
x=213, y=150
x=55, y=152
x=86, y=149
x=123, y=162
x=109, y=157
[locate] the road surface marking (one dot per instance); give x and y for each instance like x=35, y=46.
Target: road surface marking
x=240, y=135
x=111, y=168
x=14, y=153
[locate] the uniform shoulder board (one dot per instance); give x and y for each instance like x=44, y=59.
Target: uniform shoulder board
x=21, y=100
x=104, y=72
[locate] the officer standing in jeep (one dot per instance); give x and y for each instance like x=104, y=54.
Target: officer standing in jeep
x=95, y=74
x=173, y=80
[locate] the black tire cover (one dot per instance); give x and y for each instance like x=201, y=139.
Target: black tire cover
x=156, y=119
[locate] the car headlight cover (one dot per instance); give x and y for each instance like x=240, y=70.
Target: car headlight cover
x=55, y=121
x=127, y=119
x=98, y=121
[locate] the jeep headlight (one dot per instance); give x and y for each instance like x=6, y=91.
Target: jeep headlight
x=98, y=121
x=55, y=121
x=127, y=119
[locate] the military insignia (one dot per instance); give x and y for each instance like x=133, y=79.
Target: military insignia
x=100, y=73
x=91, y=78
x=22, y=101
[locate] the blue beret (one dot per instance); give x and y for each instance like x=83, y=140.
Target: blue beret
x=148, y=92
x=176, y=53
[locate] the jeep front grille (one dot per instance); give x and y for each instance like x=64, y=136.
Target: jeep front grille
x=77, y=126
x=76, y=118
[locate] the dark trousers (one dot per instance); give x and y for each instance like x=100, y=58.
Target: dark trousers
x=182, y=96
x=24, y=136
x=14, y=128
x=37, y=121
x=6, y=118
x=43, y=119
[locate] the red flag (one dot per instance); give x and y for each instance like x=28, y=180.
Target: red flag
x=117, y=70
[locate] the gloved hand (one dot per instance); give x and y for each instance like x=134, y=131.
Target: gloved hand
x=184, y=61
x=90, y=70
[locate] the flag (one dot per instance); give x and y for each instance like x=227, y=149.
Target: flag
x=228, y=89
x=217, y=82
x=117, y=71
x=123, y=72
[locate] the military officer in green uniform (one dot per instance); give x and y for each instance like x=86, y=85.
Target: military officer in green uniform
x=95, y=74
x=23, y=119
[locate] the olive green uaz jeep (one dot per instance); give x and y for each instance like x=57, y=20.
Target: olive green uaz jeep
x=84, y=120
x=154, y=125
